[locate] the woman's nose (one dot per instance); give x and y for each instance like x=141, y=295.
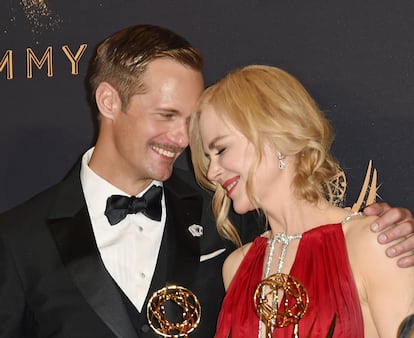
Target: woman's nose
x=213, y=172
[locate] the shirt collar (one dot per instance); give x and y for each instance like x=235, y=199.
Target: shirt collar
x=97, y=190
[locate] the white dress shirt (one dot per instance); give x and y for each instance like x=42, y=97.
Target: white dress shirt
x=129, y=249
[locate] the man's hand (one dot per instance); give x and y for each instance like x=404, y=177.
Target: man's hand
x=394, y=224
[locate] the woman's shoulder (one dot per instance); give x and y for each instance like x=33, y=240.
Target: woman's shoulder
x=358, y=234
x=233, y=261
x=357, y=224
x=367, y=257
x=238, y=255
x=380, y=282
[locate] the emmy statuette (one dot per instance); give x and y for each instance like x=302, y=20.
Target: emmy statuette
x=280, y=300
x=178, y=297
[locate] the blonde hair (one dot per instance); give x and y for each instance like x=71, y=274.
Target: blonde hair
x=267, y=104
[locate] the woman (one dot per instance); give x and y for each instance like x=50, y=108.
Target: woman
x=260, y=142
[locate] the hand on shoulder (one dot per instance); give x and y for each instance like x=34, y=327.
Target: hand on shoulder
x=396, y=227
x=381, y=283
x=366, y=255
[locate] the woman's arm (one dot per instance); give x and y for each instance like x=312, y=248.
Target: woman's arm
x=386, y=291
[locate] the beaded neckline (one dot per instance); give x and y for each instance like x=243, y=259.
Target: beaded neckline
x=284, y=239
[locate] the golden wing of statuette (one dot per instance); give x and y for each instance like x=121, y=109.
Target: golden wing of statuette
x=336, y=189
x=369, y=189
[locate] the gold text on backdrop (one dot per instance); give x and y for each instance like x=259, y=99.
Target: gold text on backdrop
x=6, y=62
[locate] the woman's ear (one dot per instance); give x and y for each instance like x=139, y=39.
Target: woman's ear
x=107, y=100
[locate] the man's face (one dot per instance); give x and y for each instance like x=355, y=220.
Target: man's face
x=153, y=130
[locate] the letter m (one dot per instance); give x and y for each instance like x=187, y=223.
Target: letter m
x=32, y=58
x=7, y=62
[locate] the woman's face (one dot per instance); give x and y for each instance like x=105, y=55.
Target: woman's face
x=231, y=155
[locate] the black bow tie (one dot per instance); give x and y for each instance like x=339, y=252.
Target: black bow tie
x=118, y=206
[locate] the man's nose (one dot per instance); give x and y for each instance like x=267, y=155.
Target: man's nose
x=179, y=135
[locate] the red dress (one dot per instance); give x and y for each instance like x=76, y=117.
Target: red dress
x=322, y=266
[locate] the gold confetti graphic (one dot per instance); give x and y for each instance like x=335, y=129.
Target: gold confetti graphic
x=40, y=17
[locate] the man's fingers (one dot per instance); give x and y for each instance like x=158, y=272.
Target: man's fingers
x=394, y=225
x=397, y=232
x=376, y=209
x=393, y=217
x=399, y=248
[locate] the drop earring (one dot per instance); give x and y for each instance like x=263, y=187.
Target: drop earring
x=281, y=158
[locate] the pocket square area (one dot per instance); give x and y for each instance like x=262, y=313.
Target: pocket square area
x=211, y=255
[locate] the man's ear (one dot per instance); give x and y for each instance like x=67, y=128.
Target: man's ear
x=108, y=100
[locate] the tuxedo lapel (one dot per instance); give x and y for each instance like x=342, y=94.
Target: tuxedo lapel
x=184, y=208
x=70, y=226
x=184, y=257
x=179, y=253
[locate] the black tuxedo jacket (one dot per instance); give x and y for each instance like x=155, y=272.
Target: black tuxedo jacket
x=53, y=282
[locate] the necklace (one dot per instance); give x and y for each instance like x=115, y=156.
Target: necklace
x=280, y=281
x=280, y=238
x=350, y=216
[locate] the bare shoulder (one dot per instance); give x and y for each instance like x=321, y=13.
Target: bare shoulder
x=364, y=250
x=363, y=247
x=358, y=228
x=365, y=254
x=232, y=263
x=380, y=282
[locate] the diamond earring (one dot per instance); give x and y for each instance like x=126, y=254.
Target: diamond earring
x=281, y=158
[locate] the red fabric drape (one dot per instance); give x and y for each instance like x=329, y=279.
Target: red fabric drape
x=322, y=266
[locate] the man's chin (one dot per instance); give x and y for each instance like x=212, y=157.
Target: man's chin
x=164, y=174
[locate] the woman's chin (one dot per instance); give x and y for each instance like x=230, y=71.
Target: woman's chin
x=242, y=209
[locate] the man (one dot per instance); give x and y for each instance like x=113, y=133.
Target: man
x=72, y=264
